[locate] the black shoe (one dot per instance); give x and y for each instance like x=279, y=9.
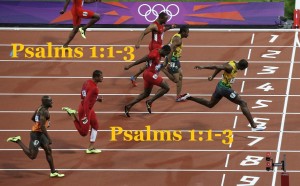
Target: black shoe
x=126, y=112
x=148, y=105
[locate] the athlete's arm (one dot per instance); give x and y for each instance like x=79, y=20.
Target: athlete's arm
x=170, y=27
x=225, y=67
x=65, y=7
x=218, y=68
x=90, y=100
x=152, y=27
x=176, y=42
x=139, y=61
x=43, y=115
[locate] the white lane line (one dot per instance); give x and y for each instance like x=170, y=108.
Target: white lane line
x=119, y=61
x=146, y=46
x=246, y=71
x=183, y=131
x=201, y=30
x=187, y=131
x=227, y=160
x=126, y=77
x=252, y=39
x=169, y=150
x=243, y=85
x=249, y=53
x=230, y=145
x=242, y=90
x=223, y=180
x=235, y=122
x=145, y=170
x=121, y=112
x=285, y=108
x=61, y=94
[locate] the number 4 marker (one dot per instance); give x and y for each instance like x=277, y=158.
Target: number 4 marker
x=266, y=87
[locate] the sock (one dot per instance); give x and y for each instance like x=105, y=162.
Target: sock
x=93, y=135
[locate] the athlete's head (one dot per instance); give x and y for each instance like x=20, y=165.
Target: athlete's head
x=165, y=50
x=163, y=18
x=47, y=101
x=97, y=76
x=184, y=31
x=242, y=64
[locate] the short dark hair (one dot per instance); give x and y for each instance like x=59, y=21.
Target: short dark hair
x=243, y=64
x=162, y=15
x=184, y=28
x=45, y=97
x=166, y=48
x=97, y=73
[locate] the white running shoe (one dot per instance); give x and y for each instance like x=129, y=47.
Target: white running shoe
x=259, y=128
x=184, y=97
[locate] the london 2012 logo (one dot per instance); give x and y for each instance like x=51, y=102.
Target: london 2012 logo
x=151, y=12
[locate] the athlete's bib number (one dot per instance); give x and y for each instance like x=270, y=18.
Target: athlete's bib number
x=231, y=81
x=83, y=93
x=172, y=65
x=154, y=76
x=36, y=118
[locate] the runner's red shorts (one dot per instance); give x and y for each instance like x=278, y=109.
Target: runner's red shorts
x=151, y=79
x=79, y=13
x=153, y=45
x=92, y=119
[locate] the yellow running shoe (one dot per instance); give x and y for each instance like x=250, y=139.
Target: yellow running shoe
x=14, y=139
x=92, y=151
x=69, y=111
x=82, y=32
x=56, y=174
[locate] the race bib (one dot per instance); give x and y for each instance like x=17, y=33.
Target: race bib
x=36, y=118
x=158, y=67
x=154, y=76
x=83, y=93
x=172, y=65
x=231, y=81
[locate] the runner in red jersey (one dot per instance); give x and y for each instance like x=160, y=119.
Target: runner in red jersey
x=78, y=12
x=86, y=114
x=151, y=77
x=157, y=28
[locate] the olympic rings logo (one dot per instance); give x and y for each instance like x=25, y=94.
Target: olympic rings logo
x=151, y=14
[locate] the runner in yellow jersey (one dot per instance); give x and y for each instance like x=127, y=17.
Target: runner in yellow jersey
x=224, y=89
x=39, y=136
x=173, y=70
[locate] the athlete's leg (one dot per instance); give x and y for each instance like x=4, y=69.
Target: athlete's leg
x=208, y=103
x=215, y=98
x=76, y=25
x=83, y=129
x=139, y=98
x=87, y=14
x=163, y=90
x=178, y=77
x=169, y=75
x=34, y=145
x=243, y=104
x=93, y=134
x=71, y=36
x=48, y=152
x=134, y=77
x=93, y=20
